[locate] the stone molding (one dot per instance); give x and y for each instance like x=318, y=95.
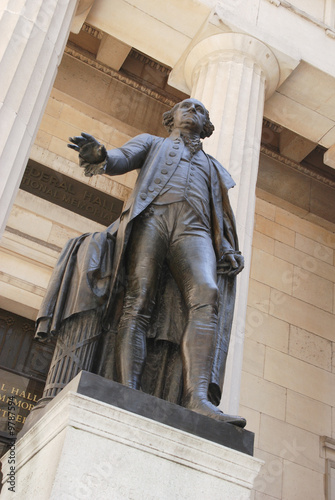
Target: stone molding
x=297, y=166
x=235, y=47
x=87, y=28
x=118, y=76
x=287, y=5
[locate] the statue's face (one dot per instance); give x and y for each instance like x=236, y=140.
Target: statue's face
x=190, y=115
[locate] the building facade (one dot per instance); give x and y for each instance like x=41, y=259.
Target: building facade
x=266, y=72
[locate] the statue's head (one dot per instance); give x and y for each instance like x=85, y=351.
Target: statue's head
x=191, y=115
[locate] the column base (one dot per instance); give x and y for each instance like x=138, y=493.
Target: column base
x=82, y=446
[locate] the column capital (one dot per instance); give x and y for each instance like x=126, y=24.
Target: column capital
x=237, y=47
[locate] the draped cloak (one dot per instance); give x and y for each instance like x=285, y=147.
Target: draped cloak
x=90, y=273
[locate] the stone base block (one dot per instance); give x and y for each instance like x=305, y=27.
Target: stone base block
x=82, y=448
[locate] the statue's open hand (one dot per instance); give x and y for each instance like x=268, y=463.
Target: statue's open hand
x=91, y=153
x=231, y=264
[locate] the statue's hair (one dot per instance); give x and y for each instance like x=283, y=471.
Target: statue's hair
x=168, y=122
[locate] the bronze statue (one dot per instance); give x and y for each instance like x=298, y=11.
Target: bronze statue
x=158, y=286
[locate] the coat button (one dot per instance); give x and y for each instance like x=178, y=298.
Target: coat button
x=158, y=180
x=175, y=147
x=172, y=153
x=164, y=171
x=169, y=162
x=151, y=189
x=143, y=196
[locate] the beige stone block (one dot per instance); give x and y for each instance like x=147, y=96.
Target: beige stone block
x=294, y=146
x=59, y=147
x=306, y=228
x=253, y=357
x=43, y=139
x=266, y=209
x=269, y=480
x=118, y=138
x=267, y=330
x=328, y=140
x=90, y=111
x=333, y=423
x=112, y=52
x=302, y=483
x=23, y=273
x=263, y=396
x=132, y=26
x=54, y=107
x=71, y=115
x=63, y=130
x=304, y=261
x=319, y=220
x=57, y=214
x=253, y=418
x=30, y=248
x=263, y=242
x=29, y=223
x=274, y=230
x=288, y=184
x=290, y=443
x=296, y=117
x=280, y=202
x=271, y=270
x=312, y=289
x=333, y=357
x=301, y=314
x=74, y=120
x=20, y=302
x=97, y=114
x=258, y=295
x=308, y=414
x=101, y=131
x=310, y=348
x=299, y=376
x=314, y=248
x=60, y=235
x=48, y=123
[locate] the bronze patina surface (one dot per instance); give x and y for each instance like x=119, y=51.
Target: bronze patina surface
x=149, y=302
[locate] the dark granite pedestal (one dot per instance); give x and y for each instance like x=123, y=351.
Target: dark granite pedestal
x=107, y=391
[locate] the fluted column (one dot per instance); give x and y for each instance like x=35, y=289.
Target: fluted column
x=233, y=74
x=33, y=36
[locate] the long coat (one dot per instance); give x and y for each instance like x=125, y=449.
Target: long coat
x=90, y=269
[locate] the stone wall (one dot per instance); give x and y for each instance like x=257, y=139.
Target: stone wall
x=288, y=381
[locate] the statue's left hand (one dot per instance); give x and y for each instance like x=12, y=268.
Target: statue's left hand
x=231, y=264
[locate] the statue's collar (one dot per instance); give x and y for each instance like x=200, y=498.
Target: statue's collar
x=193, y=145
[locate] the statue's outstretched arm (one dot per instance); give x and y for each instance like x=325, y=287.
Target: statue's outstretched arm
x=95, y=159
